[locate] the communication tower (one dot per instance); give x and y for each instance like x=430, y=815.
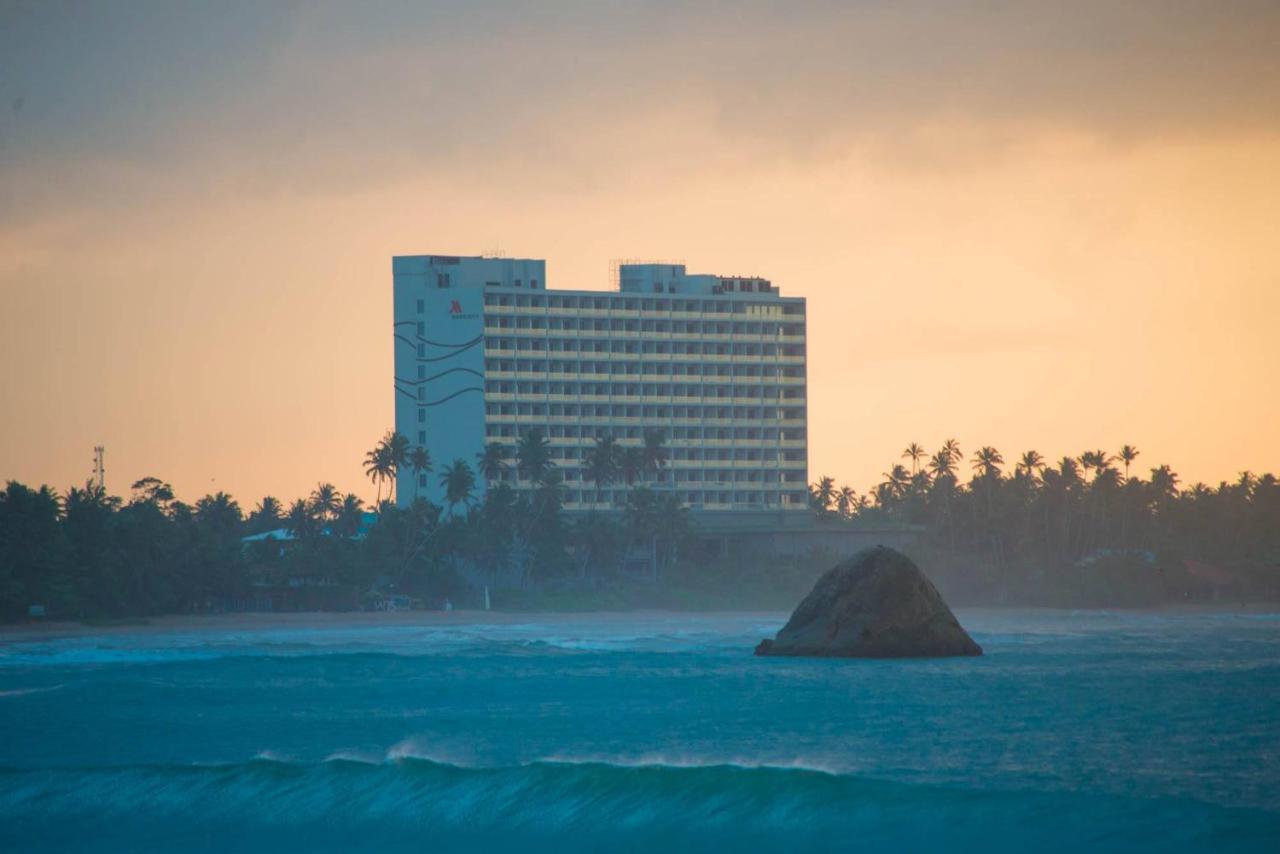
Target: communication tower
x=99, y=467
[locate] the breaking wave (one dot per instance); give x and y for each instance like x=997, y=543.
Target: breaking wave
x=23, y=692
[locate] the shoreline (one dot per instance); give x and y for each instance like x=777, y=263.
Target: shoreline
x=262, y=620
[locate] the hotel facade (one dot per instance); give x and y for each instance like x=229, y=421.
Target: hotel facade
x=485, y=352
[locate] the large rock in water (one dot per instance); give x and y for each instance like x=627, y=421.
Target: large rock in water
x=876, y=604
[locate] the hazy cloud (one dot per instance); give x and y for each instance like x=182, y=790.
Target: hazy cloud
x=144, y=100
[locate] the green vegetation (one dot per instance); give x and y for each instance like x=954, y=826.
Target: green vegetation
x=1083, y=531
x=89, y=555
x=1086, y=531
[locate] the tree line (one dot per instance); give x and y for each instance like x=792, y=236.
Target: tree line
x=85, y=553
x=1016, y=526
x=1031, y=532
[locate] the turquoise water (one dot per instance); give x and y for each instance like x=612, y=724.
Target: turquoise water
x=1101, y=730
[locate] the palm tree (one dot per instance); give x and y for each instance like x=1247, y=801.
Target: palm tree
x=269, y=508
x=420, y=463
x=458, y=481
x=398, y=453
x=915, y=453
x=1164, y=482
x=952, y=449
x=325, y=501
x=1087, y=460
x=671, y=521
x=596, y=540
x=920, y=483
x=1106, y=478
x=549, y=495
x=987, y=461
x=602, y=462
x=941, y=465
x=92, y=496
x=631, y=464
x=349, y=515
x=533, y=457
x=266, y=515
x=1101, y=462
x=846, y=501
x=219, y=510
x=1030, y=463
x=379, y=467
x=492, y=462
x=640, y=518
x=1128, y=453
x=896, y=480
x=823, y=494
x=299, y=520
x=653, y=452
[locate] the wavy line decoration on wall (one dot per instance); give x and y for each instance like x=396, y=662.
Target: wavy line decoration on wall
x=448, y=397
x=459, y=345
x=471, y=371
x=461, y=348
x=415, y=386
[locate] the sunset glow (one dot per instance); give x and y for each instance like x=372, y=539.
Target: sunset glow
x=1017, y=228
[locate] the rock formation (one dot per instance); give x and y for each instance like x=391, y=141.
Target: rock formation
x=876, y=604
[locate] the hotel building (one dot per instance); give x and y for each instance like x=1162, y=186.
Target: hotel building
x=485, y=352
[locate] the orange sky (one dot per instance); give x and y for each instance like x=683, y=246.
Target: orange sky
x=1047, y=226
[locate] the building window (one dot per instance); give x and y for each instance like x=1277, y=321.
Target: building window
x=422, y=480
x=422, y=415
x=422, y=437
x=421, y=307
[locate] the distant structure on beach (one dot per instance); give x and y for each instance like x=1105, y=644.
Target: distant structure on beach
x=485, y=353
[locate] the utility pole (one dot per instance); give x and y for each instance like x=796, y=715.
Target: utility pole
x=99, y=468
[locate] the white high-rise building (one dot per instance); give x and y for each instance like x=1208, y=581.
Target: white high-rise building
x=484, y=352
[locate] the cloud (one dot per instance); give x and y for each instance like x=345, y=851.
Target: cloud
x=133, y=104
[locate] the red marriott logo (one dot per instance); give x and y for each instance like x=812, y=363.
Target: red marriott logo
x=455, y=307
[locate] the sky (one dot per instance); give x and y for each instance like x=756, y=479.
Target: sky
x=1046, y=226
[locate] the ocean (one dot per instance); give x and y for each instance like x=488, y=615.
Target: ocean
x=1097, y=730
